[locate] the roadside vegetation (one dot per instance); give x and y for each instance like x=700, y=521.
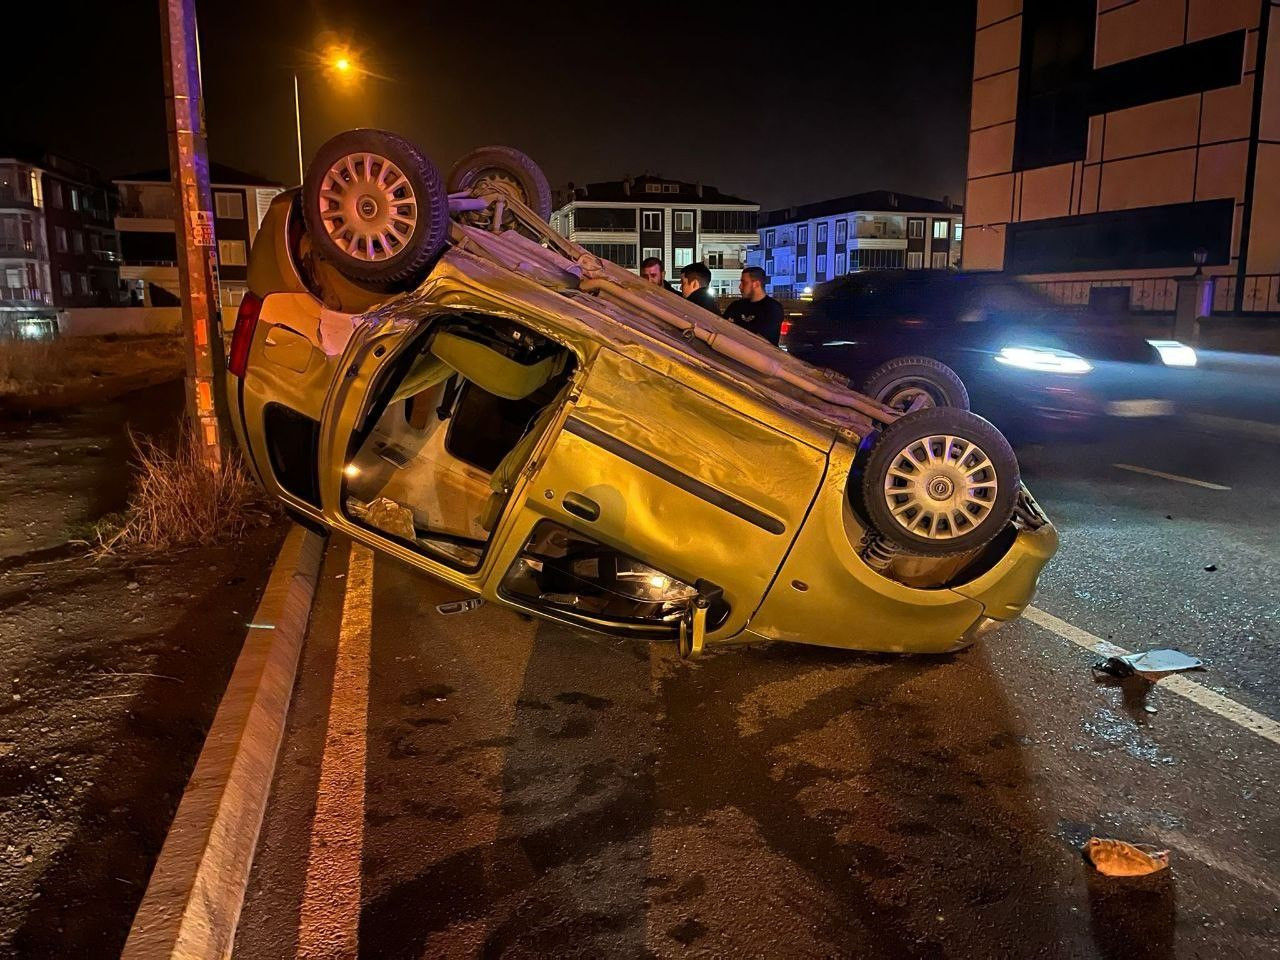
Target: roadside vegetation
x=41, y=374
x=178, y=501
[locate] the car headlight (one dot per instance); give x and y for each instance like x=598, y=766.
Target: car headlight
x=1174, y=354
x=1044, y=359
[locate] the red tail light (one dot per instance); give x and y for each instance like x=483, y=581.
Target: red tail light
x=242, y=338
x=786, y=327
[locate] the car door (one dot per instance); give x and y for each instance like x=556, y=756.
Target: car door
x=667, y=475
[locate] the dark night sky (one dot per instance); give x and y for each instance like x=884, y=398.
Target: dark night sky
x=783, y=107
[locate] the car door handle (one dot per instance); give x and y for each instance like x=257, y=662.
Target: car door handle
x=580, y=506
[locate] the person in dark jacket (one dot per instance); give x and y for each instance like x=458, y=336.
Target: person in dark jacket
x=694, y=282
x=652, y=271
x=756, y=311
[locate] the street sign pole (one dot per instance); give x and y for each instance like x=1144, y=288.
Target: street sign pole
x=197, y=262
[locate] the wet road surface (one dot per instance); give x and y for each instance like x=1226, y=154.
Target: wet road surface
x=529, y=791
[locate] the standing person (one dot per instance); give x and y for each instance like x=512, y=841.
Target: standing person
x=694, y=281
x=652, y=270
x=756, y=310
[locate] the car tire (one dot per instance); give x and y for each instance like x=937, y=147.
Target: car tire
x=516, y=171
x=939, y=482
x=373, y=227
x=901, y=381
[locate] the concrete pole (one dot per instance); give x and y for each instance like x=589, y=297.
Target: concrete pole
x=197, y=261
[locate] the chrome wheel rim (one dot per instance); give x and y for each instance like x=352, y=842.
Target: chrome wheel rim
x=940, y=487
x=368, y=206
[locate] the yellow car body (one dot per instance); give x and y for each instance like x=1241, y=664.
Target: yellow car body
x=694, y=465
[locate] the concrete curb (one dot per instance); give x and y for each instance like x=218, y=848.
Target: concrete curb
x=193, y=900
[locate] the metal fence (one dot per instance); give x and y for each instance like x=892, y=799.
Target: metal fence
x=1160, y=294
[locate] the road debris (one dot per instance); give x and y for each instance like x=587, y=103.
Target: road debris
x=1146, y=664
x=459, y=606
x=1119, y=858
x=1211, y=568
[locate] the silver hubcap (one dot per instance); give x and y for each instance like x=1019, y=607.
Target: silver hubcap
x=940, y=487
x=368, y=207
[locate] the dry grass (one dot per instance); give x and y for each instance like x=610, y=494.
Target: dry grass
x=179, y=502
x=76, y=369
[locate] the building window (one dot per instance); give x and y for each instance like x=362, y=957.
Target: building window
x=941, y=228
x=802, y=267
x=840, y=264
x=229, y=206
x=232, y=294
x=842, y=232
x=655, y=252
x=653, y=188
x=55, y=195
x=77, y=241
x=802, y=235
x=769, y=237
x=623, y=254
x=822, y=234
x=652, y=221
x=60, y=239
x=681, y=257
x=716, y=260
x=84, y=284
x=684, y=221
x=822, y=265
x=915, y=259
x=768, y=267
x=959, y=232
x=915, y=229
x=670, y=188
x=37, y=195
x=939, y=261
x=75, y=199
x=65, y=279
x=231, y=253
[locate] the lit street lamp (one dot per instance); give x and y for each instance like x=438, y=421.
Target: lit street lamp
x=334, y=61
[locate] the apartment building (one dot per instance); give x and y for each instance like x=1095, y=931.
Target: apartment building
x=629, y=220
x=148, y=239
x=800, y=247
x=58, y=246
x=1116, y=143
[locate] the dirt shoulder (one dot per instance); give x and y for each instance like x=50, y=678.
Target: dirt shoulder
x=113, y=670
x=75, y=371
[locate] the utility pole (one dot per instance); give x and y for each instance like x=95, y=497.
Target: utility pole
x=197, y=262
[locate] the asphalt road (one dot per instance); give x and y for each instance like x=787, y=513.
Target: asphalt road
x=512, y=788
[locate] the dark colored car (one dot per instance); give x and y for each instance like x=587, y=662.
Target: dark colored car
x=1023, y=361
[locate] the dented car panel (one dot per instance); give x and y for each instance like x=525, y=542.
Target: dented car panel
x=673, y=476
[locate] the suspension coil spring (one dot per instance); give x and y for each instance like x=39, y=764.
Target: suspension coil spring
x=877, y=553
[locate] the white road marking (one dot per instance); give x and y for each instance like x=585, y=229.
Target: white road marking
x=1170, y=476
x=328, y=926
x=1256, y=429
x=1224, y=707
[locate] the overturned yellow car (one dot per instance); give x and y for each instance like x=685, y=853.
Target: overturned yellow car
x=425, y=366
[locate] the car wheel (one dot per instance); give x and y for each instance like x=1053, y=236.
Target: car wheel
x=915, y=383
x=375, y=207
x=940, y=482
x=507, y=169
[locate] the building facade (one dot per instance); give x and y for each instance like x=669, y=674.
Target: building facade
x=58, y=245
x=800, y=247
x=629, y=220
x=1115, y=143
x=148, y=239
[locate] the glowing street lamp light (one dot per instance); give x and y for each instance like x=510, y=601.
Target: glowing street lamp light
x=339, y=63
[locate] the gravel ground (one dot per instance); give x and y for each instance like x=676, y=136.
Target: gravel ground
x=110, y=673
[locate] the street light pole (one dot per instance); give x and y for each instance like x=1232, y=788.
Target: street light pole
x=197, y=263
x=297, y=116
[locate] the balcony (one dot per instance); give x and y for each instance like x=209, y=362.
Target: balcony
x=27, y=249
x=10, y=197
x=22, y=295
